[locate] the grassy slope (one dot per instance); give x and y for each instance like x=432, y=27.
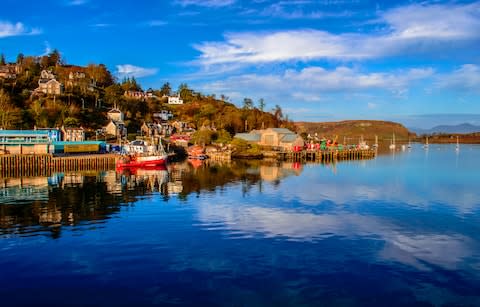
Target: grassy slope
x=354, y=129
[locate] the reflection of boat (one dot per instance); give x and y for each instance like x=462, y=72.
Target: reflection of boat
x=143, y=170
x=139, y=154
x=195, y=162
x=197, y=152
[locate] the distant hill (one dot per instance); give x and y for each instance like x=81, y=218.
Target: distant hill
x=354, y=129
x=462, y=128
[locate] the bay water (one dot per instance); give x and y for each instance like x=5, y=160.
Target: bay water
x=402, y=229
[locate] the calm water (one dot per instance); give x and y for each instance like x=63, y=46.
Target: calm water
x=402, y=229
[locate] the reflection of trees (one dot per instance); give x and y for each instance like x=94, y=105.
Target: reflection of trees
x=212, y=176
x=75, y=198
x=69, y=204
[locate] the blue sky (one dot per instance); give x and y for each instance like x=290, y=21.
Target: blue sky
x=413, y=62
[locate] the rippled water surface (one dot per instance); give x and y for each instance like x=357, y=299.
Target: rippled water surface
x=402, y=229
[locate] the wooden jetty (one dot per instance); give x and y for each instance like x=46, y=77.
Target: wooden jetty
x=45, y=164
x=326, y=156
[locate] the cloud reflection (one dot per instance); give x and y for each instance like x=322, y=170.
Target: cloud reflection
x=400, y=244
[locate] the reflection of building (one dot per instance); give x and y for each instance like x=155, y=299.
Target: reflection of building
x=274, y=172
x=19, y=190
x=281, y=138
x=175, y=187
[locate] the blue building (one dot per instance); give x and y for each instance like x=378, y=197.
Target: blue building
x=28, y=141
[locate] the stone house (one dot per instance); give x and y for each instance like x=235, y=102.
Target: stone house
x=73, y=134
x=47, y=84
x=278, y=138
x=115, y=115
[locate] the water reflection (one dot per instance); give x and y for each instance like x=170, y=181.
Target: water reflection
x=72, y=198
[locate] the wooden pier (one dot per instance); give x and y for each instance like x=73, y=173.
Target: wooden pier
x=326, y=156
x=45, y=164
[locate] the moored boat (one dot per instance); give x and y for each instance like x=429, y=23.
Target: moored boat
x=140, y=154
x=197, y=152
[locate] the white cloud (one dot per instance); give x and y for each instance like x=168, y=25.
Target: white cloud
x=156, y=23
x=48, y=48
x=101, y=25
x=128, y=70
x=16, y=29
x=464, y=79
x=434, y=21
x=308, y=83
x=77, y=2
x=409, y=29
x=206, y=3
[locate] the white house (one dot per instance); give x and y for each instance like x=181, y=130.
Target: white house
x=175, y=100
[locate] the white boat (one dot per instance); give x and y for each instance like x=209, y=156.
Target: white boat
x=375, y=145
x=392, y=145
x=426, y=143
x=457, y=146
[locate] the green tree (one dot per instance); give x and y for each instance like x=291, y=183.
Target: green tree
x=166, y=89
x=2, y=59
x=113, y=94
x=70, y=122
x=20, y=58
x=202, y=137
x=277, y=112
x=223, y=137
x=185, y=93
x=10, y=115
x=261, y=104
x=247, y=103
x=100, y=75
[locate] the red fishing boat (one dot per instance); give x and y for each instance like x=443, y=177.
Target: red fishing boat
x=139, y=154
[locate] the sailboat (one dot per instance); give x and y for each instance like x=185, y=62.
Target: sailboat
x=409, y=146
x=375, y=145
x=392, y=145
x=426, y=143
x=457, y=147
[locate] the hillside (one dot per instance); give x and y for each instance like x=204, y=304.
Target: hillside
x=352, y=130
x=462, y=128
x=46, y=91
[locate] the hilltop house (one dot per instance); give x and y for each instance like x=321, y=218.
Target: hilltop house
x=174, y=99
x=156, y=129
x=116, y=126
x=115, y=114
x=279, y=138
x=8, y=71
x=47, y=84
x=140, y=95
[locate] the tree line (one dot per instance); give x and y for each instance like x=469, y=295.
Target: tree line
x=94, y=90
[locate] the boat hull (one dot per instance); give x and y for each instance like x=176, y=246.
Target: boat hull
x=148, y=161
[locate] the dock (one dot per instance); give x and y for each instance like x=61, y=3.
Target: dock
x=46, y=164
x=326, y=156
